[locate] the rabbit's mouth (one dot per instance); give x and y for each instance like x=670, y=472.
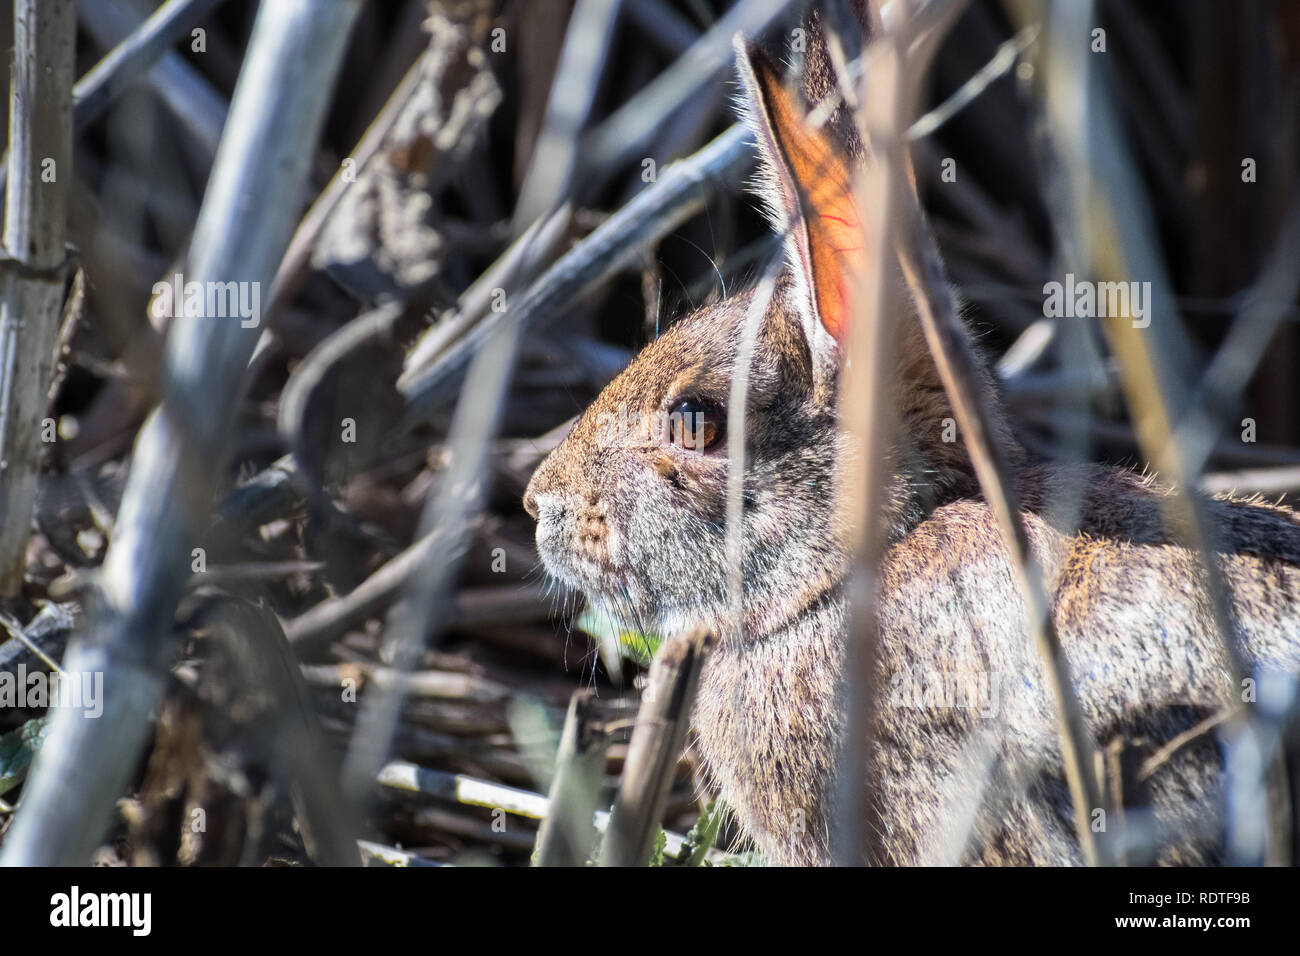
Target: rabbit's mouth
x=621, y=595
x=598, y=578
x=593, y=569
x=578, y=552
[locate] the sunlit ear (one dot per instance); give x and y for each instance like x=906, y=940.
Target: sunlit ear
x=808, y=187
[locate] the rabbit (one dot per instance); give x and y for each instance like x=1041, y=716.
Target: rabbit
x=967, y=761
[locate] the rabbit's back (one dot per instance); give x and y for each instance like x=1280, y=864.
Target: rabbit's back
x=968, y=763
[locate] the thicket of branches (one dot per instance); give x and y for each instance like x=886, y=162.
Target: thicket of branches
x=295, y=548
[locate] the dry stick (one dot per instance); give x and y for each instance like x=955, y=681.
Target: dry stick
x=567, y=836
x=248, y=213
x=35, y=267
x=957, y=367
x=954, y=360
x=867, y=414
x=517, y=264
x=634, y=125
x=131, y=59
x=737, y=406
x=296, y=260
x=51, y=626
x=263, y=657
x=1114, y=234
x=458, y=788
x=193, y=100
x=1006, y=56
x=952, y=354
x=418, y=618
x=555, y=155
x=657, y=738
x=680, y=192
x=380, y=855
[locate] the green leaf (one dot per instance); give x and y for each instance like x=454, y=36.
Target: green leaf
x=632, y=644
x=17, y=748
x=701, y=837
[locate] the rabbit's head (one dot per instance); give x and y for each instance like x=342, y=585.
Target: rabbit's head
x=631, y=507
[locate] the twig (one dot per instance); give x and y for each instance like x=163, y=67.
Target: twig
x=657, y=738
x=458, y=788
x=35, y=267
x=953, y=354
x=517, y=264
x=263, y=658
x=1116, y=239
x=415, y=621
x=953, y=359
x=1006, y=56
x=635, y=124
x=376, y=854
x=555, y=155
x=192, y=99
x=680, y=192
x=737, y=407
x=1175, y=744
x=51, y=625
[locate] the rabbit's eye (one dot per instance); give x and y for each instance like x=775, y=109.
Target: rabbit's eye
x=696, y=425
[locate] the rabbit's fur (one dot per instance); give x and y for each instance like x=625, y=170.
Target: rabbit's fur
x=639, y=528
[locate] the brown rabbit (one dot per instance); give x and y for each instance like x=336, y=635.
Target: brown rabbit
x=967, y=754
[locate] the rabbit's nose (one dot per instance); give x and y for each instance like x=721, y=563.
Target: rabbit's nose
x=536, y=489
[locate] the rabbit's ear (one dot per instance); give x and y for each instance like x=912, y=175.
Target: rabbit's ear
x=808, y=187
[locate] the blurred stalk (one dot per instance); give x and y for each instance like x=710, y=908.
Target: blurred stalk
x=192, y=99
x=555, y=157
x=868, y=416
x=34, y=269
x=954, y=355
x=249, y=211
x=567, y=835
